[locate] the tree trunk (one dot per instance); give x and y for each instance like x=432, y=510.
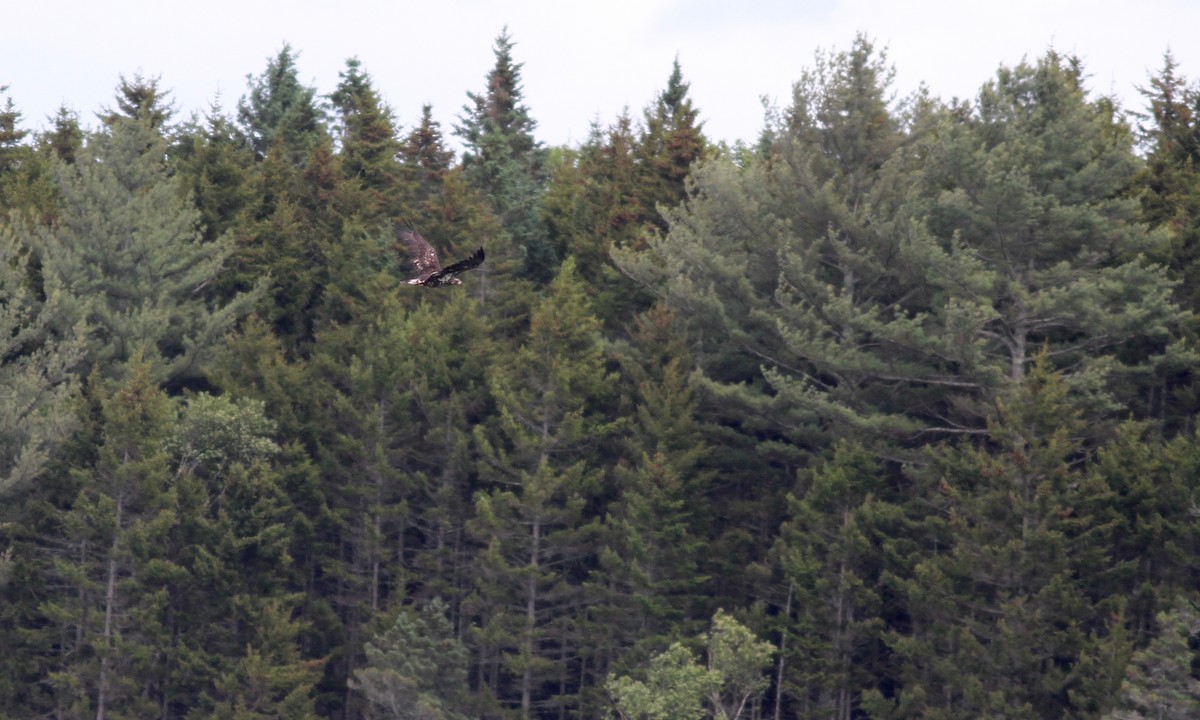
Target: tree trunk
x=110, y=598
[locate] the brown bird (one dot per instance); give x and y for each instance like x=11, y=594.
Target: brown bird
x=430, y=272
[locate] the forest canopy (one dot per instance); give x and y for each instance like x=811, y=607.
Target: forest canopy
x=889, y=412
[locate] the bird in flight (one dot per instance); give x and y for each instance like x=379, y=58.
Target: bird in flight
x=430, y=272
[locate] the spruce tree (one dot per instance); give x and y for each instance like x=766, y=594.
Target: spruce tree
x=368, y=144
x=506, y=163
x=280, y=114
x=110, y=565
x=1004, y=618
x=831, y=553
x=536, y=459
x=671, y=141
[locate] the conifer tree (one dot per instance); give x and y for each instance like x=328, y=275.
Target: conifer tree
x=1002, y=618
x=598, y=199
x=506, y=163
x=12, y=150
x=831, y=554
x=213, y=167
x=531, y=522
x=26, y=176
x=141, y=99
x=1161, y=682
x=65, y=137
x=368, y=144
x=875, y=310
x=425, y=149
x=671, y=141
x=1169, y=183
x=37, y=370
x=280, y=114
x=127, y=258
x=112, y=537
x=416, y=669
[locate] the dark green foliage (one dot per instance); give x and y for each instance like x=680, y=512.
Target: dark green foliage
x=280, y=114
x=506, y=163
x=916, y=406
x=369, y=146
x=671, y=141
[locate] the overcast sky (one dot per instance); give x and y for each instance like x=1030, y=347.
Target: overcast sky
x=583, y=61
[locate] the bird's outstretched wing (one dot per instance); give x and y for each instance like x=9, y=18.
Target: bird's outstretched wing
x=463, y=265
x=424, y=257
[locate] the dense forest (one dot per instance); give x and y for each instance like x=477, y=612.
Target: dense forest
x=887, y=413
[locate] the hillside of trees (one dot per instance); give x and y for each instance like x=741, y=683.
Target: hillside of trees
x=887, y=413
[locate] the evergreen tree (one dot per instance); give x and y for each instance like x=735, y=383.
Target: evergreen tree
x=649, y=584
x=1002, y=618
x=598, y=199
x=535, y=457
x=1161, y=681
x=1033, y=186
x=110, y=563
x=871, y=310
x=831, y=551
x=13, y=152
x=36, y=370
x=126, y=257
x=65, y=139
x=792, y=261
x=671, y=142
x=1169, y=183
x=416, y=669
x=213, y=167
x=26, y=177
x=425, y=149
x=506, y=164
x=141, y=99
x=280, y=114
x=368, y=143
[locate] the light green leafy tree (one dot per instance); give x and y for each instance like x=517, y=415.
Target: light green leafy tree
x=416, y=669
x=677, y=687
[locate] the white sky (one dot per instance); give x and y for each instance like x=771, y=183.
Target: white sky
x=582, y=60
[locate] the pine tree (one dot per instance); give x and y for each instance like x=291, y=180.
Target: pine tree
x=862, y=271
x=36, y=369
x=126, y=257
x=416, y=669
